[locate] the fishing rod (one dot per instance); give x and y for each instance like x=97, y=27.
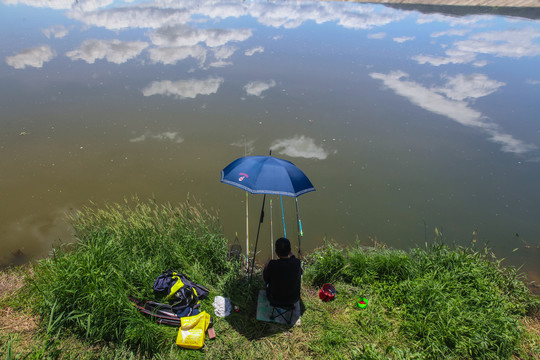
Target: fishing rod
x=247, y=235
x=300, y=232
x=271, y=232
x=261, y=219
x=247, y=221
x=283, y=217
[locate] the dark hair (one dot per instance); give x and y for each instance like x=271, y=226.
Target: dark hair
x=283, y=247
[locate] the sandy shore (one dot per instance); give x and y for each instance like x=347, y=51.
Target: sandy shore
x=498, y=3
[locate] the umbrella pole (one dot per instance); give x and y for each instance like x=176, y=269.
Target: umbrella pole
x=257, y=239
x=300, y=232
x=271, y=232
x=247, y=236
x=283, y=217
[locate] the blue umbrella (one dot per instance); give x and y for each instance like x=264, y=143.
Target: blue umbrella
x=267, y=175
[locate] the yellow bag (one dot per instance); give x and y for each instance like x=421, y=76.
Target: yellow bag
x=192, y=333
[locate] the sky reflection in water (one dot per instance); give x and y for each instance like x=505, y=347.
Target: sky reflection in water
x=404, y=121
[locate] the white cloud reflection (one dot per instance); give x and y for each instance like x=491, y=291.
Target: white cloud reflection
x=57, y=31
x=51, y=4
x=451, y=32
x=378, y=36
x=174, y=37
x=253, y=51
x=182, y=89
x=34, y=57
x=91, y=5
x=173, y=32
x=402, y=39
x=62, y=4
x=462, y=87
x=161, y=13
x=146, y=16
x=172, y=55
x=449, y=101
x=221, y=54
x=299, y=146
x=453, y=56
x=515, y=43
x=256, y=88
x=472, y=20
x=429, y=99
x=171, y=136
x=114, y=51
x=294, y=14
x=183, y=35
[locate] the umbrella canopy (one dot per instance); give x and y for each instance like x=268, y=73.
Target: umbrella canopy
x=266, y=175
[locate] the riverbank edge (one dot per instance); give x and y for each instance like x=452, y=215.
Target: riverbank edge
x=25, y=336
x=437, y=300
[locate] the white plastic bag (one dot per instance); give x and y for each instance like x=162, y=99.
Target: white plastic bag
x=222, y=306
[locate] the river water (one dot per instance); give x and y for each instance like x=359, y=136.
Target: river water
x=408, y=121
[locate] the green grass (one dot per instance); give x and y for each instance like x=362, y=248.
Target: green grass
x=431, y=303
x=441, y=302
x=119, y=252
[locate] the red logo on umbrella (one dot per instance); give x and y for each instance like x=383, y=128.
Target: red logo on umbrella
x=242, y=176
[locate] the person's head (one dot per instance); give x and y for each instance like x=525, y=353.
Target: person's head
x=283, y=247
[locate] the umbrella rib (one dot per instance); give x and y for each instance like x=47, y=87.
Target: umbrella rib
x=269, y=192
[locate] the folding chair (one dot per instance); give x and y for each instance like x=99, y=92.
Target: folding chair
x=286, y=312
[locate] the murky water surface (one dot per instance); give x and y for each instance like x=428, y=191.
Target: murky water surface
x=405, y=119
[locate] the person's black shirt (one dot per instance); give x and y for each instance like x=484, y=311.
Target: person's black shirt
x=283, y=277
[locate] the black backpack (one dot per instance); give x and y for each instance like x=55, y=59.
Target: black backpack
x=179, y=290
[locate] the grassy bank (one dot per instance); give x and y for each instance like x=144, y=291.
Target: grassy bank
x=431, y=303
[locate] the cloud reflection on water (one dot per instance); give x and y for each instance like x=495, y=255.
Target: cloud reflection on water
x=170, y=55
x=173, y=39
x=256, y=88
x=402, y=39
x=34, y=57
x=378, y=35
x=131, y=17
x=514, y=43
x=175, y=35
x=172, y=136
x=222, y=54
x=449, y=101
x=183, y=35
x=51, y=4
x=56, y=31
x=299, y=146
x=182, y=89
x=461, y=87
x=472, y=20
x=114, y=51
x=163, y=13
x=451, y=32
x=253, y=51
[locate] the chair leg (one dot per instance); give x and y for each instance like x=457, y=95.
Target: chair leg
x=281, y=312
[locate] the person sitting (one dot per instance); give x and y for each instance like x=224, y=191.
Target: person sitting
x=283, y=276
